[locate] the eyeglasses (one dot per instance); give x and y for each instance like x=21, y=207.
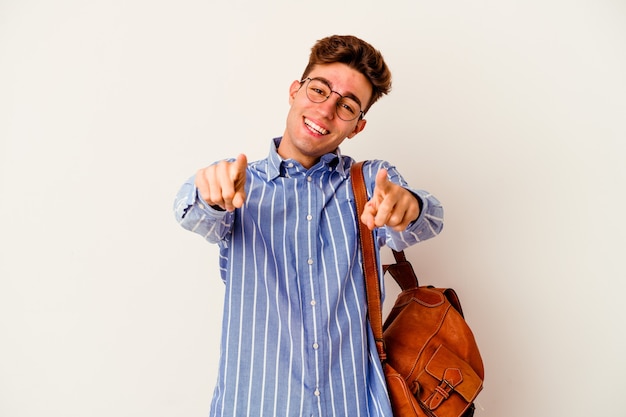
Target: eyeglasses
x=318, y=91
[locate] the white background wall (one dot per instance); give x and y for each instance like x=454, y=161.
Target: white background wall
x=511, y=112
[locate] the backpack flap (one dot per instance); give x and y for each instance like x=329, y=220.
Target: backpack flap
x=449, y=374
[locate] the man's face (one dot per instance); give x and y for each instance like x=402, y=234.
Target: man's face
x=314, y=129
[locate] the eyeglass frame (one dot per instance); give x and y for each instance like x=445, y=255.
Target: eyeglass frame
x=359, y=116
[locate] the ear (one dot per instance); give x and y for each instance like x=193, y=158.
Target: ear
x=360, y=125
x=293, y=90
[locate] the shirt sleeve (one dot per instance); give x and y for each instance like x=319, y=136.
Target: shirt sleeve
x=428, y=224
x=193, y=214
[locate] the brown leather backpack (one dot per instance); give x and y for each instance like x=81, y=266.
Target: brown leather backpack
x=431, y=361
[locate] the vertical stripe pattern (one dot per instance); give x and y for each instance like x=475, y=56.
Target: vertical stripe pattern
x=295, y=339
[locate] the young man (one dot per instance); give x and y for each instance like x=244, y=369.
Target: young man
x=295, y=336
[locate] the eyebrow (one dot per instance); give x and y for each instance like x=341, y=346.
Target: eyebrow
x=347, y=95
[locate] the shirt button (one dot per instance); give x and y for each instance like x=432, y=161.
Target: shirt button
x=309, y=217
x=310, y=261
x=290, y=165
x=316, y=346
x=309, y=179
x=313, y=302
x=316, y=392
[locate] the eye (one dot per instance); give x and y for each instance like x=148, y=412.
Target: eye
x=348, y=106
x=319, y=88
x=318, y=91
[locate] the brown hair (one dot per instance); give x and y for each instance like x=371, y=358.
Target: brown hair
x=357, y=54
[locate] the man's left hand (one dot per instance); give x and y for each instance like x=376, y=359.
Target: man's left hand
x=391, y=205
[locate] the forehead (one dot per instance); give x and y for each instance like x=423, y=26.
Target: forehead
x=344, y=79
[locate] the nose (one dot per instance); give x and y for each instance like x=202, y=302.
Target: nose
x=329, y=106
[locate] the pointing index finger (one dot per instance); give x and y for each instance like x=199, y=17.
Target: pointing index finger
x=239, y=166
x=382, y=181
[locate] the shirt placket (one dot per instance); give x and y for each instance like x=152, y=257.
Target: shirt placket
x=311, y=293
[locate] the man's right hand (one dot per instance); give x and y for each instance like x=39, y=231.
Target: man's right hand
x=223, y=184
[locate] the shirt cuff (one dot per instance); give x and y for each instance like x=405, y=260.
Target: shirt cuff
x=213, y=211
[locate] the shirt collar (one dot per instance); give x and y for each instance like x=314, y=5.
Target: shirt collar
x=332, y=160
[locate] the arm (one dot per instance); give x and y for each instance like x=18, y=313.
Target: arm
x=206, y=202
x=403, y=215
x=195, y=215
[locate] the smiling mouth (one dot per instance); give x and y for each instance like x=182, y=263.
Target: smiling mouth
x=315, y=128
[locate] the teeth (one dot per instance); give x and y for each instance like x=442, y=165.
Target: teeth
x=315, y=127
